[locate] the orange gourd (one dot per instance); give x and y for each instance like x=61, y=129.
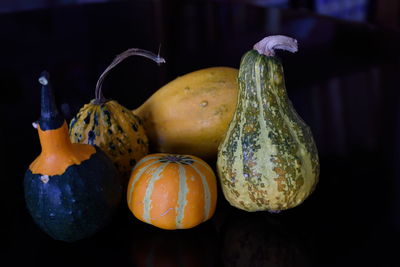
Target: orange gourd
x=172, y=191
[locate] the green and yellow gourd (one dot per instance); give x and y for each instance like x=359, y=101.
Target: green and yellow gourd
x=268, y=159
x=71, y=190
x=111, y=126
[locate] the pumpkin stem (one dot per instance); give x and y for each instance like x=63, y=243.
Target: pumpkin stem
x=99, y=98
x=50, y=118
x=268, y=45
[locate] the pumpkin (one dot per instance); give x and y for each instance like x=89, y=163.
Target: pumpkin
x=71, y=190
x=268, y=159
x=172, y=191
x=191, y=114
x=111, y=126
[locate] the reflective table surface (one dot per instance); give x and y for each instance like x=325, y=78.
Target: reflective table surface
x=344, y=82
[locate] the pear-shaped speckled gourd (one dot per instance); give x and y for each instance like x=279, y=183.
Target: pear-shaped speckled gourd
x=111, y=126
x=71, y=190
x=268, y=159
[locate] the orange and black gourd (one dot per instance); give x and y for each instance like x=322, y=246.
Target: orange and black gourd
x=71, y=190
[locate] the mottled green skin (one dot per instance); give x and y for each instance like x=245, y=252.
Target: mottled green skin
x=268, y=159
x=78, y=203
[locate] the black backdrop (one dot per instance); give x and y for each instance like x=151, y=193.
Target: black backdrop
x=343, y=82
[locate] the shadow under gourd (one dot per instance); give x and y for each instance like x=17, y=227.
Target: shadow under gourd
x=159, y=248
x=71, y=190
x=256, y=239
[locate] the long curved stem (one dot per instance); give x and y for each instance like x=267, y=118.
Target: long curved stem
x=99, y=98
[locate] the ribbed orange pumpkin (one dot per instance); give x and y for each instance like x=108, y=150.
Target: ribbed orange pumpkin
x=172, y=191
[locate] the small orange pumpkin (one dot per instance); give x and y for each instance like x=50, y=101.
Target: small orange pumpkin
x=172, y=191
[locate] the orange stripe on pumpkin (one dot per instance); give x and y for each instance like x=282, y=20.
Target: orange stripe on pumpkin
x=139, y=192
x=164, y=197
x=194, y=198
x=142, y=166
x=210, y=185
x=149, y=191
x=206, y=191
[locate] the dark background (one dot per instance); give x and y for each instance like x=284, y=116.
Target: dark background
x=344, y=82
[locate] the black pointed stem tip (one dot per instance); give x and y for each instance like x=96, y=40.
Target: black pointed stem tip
x=50, y=117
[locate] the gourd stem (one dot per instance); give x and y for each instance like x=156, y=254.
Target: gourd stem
x=48, y=106
x=99, y=98
x=50, y=117
x=268, y=45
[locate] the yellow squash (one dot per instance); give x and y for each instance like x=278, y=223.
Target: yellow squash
x=191, y=114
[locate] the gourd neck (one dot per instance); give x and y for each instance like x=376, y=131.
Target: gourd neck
x=50, y=117
x=58, y=153
x=254, y=65
x=99, y=97
x=54, y=141
x=52, y=128
x=261, y=66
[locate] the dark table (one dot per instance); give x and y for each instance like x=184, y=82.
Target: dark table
x=344, y=82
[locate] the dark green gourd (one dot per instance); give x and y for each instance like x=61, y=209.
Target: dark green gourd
x=268, y=159
x=71, y=190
